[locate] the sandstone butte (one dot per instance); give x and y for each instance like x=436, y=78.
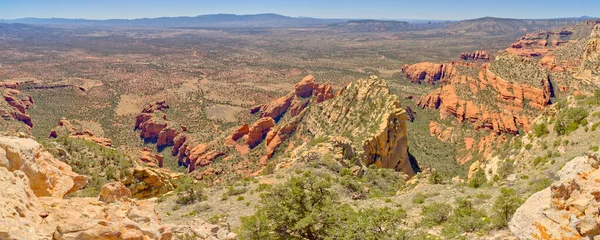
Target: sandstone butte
x=568, y=209
x=370, y=118
x=33, y=186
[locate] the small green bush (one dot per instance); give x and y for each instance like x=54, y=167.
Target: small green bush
x=541, y=130
x=435, y=177
x=505, y=206
x=478, y=180
x=435, y=214
x=189, y=191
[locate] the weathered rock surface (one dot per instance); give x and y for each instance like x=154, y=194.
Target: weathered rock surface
x=569, y=209
x=539, y=43
x=19, y=207
x=33, y=209
x=590, y=68
x=145, y=182
x=372, y=118
x=114, y=192
x=323, y=92
x=477, y=55
x=47, y=175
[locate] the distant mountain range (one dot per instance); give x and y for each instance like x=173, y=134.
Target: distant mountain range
x=508, y=25
x=267, y=20
x=270, y=20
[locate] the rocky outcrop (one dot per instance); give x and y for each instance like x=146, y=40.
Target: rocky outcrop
x=14, y=106
x=147, y=182
x=154, y=126
x=568, y=209
x=477, y=55
x=305, y=87
x=81, y=129
x=47, y=175
x=31, y=209
x=276, y=108
x=371, y=118
x=277, y=136
x=590, y=68
x=323, y=92
x=513, y=95
x=258, y=131
x=150, y=158
x=427, y=72
x=297, y=100
x=19, y=207
x=439, y=131
x=539, y=43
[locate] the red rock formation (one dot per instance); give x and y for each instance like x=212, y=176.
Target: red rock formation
x=240, y=132
x=276, y=137
x=323, y=92
x=428, y=72
x=477, y=55
x=17, y=106
x=513, y=95
x=305, y=87
x=258, y=130
x=298, y=104
x=276, y=108
x=437, y=130
x=154, y=126
x=150, y=158
x=156, y=106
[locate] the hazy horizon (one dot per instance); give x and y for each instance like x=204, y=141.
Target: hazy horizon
x=336, y=9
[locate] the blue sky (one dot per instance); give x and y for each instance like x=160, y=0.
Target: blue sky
x=376, y=9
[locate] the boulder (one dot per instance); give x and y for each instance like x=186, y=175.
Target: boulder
x=114, y=192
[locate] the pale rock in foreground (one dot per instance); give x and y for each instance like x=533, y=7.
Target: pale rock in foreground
x=569, y=209
x=47, y=175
